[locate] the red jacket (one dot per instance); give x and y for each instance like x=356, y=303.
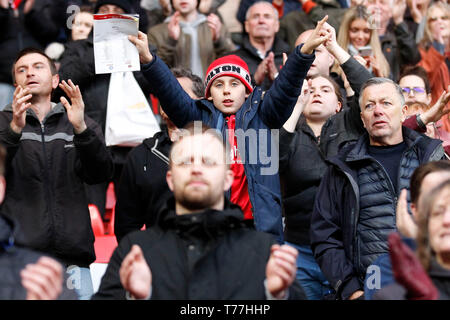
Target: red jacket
x=438, y=74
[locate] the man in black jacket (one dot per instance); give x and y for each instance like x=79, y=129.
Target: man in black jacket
x=354, y=209
x=142, y=190
x=52, y=149
x=200, y=249
x=26, y=274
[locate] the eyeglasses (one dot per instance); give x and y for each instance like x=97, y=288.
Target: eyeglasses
x=408, y=90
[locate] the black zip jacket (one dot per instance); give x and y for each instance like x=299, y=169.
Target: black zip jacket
x=143, y=189
x=337, y=205
x=206, y=255
x=45, y=170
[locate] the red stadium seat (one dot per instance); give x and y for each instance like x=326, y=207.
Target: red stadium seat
x=96, y=221
x=110, y=225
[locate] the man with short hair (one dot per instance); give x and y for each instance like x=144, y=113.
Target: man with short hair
x=261, y=49
x=354, y=210
x=200, y=249
x=189, y=39
x=52, y=149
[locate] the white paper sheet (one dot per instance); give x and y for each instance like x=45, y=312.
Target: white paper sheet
x=113, y=51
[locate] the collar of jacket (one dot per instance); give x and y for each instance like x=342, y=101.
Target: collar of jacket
x=438, y=271
x=159, y=145
x=56, y=109
x=162, y=137
x=209, y=223
x=359, y=151
x=278, y=47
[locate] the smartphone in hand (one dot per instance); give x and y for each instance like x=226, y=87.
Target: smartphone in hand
x=365, y=51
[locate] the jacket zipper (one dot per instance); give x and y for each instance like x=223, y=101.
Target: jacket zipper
x=47, y=186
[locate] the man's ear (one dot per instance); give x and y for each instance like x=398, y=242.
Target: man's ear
x=169, y=180
x=229, y=178
x=339, y=107
x=55, y=81
x=246, y=26
x=362, y=120
x=404, y=112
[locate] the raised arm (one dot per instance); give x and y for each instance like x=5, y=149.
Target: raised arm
x=280, y=99
x=180, y=108
x=94, y=163
x=356, y=73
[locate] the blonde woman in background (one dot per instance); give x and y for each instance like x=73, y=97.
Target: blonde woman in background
x=362, y=42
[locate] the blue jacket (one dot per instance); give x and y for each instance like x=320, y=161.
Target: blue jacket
x=255, y=118
x=337, y=206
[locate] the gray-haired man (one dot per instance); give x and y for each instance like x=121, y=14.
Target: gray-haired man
x=354, y=211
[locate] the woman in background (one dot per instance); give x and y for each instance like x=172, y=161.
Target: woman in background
x=435, y=51
x=362, y=41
